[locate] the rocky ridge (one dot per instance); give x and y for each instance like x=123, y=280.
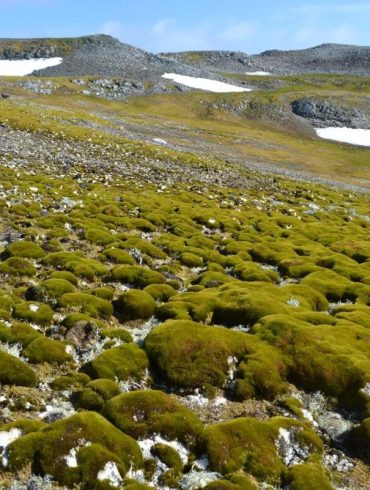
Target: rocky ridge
x=326, y=58
x=96, y=55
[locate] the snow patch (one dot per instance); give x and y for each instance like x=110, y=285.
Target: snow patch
x=290, y=451
x=12, y=349
x=57, y=410
x=147, y=444
x=336, y=460
x=366, y=389
x=71, y=458
x=198, y=479
x=110, y=473
x=140, y=333
x=131, y=384
x=258, y=73
x=199, y=400
x=20, y=68
x=293, y=302
x=160, y=141
x=359, y=137
x=241, y=328
x=330, y=422
x=6, y=438
x=204, y=84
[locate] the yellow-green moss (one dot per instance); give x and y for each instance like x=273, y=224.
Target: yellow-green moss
x=123, y=362
x=134, y=305
x=145, y=413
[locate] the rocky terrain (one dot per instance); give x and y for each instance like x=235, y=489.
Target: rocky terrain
x=326, y=58
x=321, y=113
x=98, y=55
x=184, y=278
x=105, y=56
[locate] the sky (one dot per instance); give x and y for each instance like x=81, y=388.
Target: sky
x=175, y=25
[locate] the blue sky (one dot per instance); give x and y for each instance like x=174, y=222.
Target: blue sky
x=175, y=25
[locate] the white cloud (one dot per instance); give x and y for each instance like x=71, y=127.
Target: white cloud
x=162, y=26
x=113, y=28
x=169, y=35
x=238, y=31
x=310, y=35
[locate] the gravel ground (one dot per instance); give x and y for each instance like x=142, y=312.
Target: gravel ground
x=21, y=149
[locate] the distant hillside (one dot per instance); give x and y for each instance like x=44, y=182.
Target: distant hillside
x=326, y=58
x=98, y=55
x=105, y=56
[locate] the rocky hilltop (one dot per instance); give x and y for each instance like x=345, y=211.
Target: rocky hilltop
x=98, y=55
x=103, y=55
x=326, y=58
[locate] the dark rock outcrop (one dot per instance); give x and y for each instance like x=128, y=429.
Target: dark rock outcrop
x=322, y=114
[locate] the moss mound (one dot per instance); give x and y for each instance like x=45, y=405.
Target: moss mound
x=145, y=413
x=160, y=292
x=251, y=445
x=307, y=476
x=67, y=276
x=17, y=266
x=87, y=303
x=13, y=371
x=136, y=276
x=123, y=362
x=25, y=249
x=134, y=305
x=57, y=287
x=92, y=437
x=188, y=354
x=44, y=349
x=34, y=313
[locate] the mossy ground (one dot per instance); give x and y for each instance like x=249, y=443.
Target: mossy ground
x=247, y=291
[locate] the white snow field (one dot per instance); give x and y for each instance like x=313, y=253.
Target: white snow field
x=204, y=83
x=359, y=137
x=20, y=68
x=258, y=73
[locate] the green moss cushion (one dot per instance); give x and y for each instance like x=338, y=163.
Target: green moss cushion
x=251, y=445
x=134, y=305
x=44, y=349
x=13, y=371
x=25, y=249
x=123, y=362
x=188, y=354
x=34, y=312
x=87, y=438
x=144, y=413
